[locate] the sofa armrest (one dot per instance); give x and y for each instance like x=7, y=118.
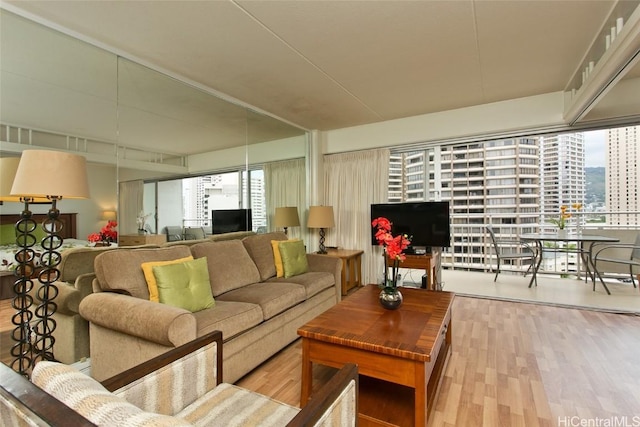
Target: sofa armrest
x=330, y=265
x=157, y=377
x=24, y=403
x=152, y=321
x=84, y=284
x=67, y=300
x=336, y=400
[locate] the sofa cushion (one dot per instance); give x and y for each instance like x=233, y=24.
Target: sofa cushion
x=230, y=317
x=90, y=399
x=119, y=269
x=273, y=298
x=230, y=266
x=184, y=284
x=261, y=251
x=152, y=284
x=294, y=257
x=313, y=282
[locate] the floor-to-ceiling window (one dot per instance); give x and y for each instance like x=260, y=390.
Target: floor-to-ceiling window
x=519, y=184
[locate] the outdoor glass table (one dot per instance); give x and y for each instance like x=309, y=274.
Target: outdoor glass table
x=581, y=239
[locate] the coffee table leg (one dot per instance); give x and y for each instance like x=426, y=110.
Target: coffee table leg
x=307, y=377
x=420, y=396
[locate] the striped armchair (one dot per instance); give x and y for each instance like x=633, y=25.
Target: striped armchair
x=180, y=388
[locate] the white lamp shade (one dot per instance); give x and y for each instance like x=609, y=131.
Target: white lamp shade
x=8, y=168
x=320, y=217
x=287, y=217
x=43, y=173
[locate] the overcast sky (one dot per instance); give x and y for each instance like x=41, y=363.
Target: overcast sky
x=594, y=148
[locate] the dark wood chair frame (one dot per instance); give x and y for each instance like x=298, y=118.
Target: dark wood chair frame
x=33, y=399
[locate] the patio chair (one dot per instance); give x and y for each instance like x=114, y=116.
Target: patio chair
x=511, y=250
x=174, y=233
x=632, y=261
x=194, y=233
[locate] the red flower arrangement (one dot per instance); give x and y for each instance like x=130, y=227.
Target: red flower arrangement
x=393, y=248
x=107, y=234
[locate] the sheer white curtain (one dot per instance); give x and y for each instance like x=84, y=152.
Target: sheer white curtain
x=130, y=204
x=285, y=185
x=353, y=181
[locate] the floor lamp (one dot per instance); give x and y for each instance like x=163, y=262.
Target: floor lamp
x=321, y=217
x=286, y=217
x=52, y=175
x=22, y=300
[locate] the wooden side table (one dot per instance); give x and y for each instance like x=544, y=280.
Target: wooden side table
x=141, y=239
x=430, y=263
x=351, y=267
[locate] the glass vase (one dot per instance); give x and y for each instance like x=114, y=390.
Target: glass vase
x=390, y=298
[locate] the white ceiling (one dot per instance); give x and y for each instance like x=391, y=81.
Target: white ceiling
x=333, y=64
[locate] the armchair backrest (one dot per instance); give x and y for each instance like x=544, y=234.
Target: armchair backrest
x=78, y=261
x=197, y=366
x=22, y=403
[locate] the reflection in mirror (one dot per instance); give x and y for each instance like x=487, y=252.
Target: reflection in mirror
x=59, y=93
x=216, y=135
x=131, y=122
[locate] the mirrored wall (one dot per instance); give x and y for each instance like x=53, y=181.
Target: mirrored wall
x=131, y=122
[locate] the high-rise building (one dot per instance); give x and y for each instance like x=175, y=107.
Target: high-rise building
x=623, y=175
x=491, y=182
x=562, y=176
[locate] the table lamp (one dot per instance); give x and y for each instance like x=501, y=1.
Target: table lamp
x=52, y=175
x=287, y=217
x=321, y=217
x=108, y=215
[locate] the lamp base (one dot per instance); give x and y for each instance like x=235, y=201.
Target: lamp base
x=322, y=250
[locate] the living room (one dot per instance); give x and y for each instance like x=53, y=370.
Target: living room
x=345, y=126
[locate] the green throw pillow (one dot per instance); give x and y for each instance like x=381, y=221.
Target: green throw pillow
x=294, y=257
x=185, y=285
x=39, y=233
x=7, y=234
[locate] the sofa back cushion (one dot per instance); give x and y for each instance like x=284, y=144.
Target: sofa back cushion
x=261, y=251
x=230, y=266
x=120, y=269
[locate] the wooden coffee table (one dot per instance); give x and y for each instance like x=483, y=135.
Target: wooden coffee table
x=401, y=354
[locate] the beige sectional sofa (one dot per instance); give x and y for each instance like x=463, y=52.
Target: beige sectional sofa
x=257, y=312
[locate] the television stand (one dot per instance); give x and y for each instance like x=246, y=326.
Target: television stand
x=430, y=262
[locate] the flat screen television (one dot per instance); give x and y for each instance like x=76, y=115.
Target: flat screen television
x=230, y=220
x=427, y=223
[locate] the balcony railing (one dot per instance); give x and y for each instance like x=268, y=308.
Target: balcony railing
x=471, y=247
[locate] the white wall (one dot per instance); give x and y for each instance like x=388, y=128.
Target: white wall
x=532, y=113
x=284, y=149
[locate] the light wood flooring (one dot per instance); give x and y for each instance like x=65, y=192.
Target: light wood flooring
x=512, y=364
